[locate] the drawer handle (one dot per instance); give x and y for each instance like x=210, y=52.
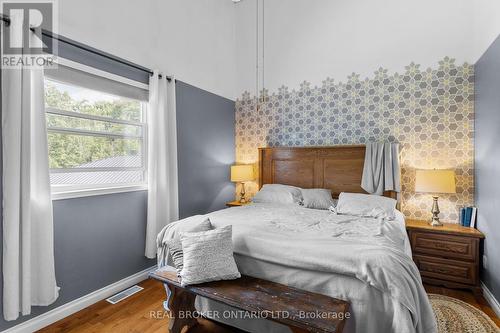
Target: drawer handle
x=441, y=270
x=447, y=247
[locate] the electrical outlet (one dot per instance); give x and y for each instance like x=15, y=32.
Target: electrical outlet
x=485, y=261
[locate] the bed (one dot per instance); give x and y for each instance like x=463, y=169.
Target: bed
x=362, y=260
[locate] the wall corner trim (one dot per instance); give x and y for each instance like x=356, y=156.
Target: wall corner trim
x=78, y=304
x=495, y=305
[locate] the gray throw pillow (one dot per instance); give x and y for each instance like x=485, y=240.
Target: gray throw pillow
x=175, y=246
x=208, y=256
x=317, y=198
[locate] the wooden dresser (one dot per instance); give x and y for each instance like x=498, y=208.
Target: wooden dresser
x=448, y=255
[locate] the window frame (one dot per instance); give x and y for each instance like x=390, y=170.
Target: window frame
x=62, y=191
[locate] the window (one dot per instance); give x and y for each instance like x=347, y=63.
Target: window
x=96, y=137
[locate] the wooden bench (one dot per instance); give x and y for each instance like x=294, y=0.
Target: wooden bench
x=300, y=310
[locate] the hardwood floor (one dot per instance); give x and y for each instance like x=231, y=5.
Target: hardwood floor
x=140, y=313
x=134, y=314
x=143, y=313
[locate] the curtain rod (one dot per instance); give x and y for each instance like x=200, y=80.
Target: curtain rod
x=87, y=48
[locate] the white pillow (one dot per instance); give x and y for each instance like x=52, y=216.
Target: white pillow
x=366, y=205
x=175, y=246
x=317, y=198
x=277, y=193
x=208, y=256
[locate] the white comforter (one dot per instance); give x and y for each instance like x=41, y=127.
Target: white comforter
x=362, y=260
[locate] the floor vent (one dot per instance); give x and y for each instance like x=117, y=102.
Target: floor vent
x=124, y=294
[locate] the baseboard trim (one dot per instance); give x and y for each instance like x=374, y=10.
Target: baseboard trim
x=495, y=305
x=78, y=304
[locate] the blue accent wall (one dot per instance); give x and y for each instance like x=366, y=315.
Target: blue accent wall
x=205, y=134
x=100, y=240
x=487, y=160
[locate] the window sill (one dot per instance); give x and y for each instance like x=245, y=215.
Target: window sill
x=88, y=192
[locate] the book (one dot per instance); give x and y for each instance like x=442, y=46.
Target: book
x=462, y=216
x=468, y=215
x=473, y=217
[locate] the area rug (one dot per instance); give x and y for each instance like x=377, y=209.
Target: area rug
x=455, y=316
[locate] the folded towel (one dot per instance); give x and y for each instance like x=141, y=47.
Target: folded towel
x=381, y=171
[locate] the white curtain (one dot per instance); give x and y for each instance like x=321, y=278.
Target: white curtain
x=28, y=236
x=163, y=202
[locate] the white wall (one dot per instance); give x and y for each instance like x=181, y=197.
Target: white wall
x=314, y=39
x=486, y=25
x=211, y=43
x=191, y=39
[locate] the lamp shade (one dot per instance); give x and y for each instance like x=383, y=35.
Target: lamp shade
x=435, y=181
x=242, y=173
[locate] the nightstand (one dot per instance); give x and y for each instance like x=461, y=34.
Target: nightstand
x=236, y=203
x=448, y=255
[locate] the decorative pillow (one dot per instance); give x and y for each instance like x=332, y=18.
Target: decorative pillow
x=317, y=198
x=175, y=246
x=208, y=256
x=277, y=193
x=366, y=205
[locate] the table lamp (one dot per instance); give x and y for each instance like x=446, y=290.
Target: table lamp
x=435, y=181
x=240, y=174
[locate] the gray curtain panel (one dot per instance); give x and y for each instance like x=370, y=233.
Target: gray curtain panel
x=381, y=171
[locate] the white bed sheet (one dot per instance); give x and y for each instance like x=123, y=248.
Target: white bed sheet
x=372, y=310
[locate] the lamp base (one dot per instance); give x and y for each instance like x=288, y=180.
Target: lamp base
x=435, y=213
x=435, y=223
x=242, y=194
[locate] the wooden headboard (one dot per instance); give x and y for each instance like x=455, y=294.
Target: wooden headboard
x=338, y=168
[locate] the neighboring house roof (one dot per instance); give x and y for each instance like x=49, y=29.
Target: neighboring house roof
x=115, y=162
x=102, y=177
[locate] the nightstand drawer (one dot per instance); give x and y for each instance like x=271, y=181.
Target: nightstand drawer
x=447, y=246
x=446, y=269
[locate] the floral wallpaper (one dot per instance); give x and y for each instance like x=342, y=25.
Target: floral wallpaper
x=429, y=111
